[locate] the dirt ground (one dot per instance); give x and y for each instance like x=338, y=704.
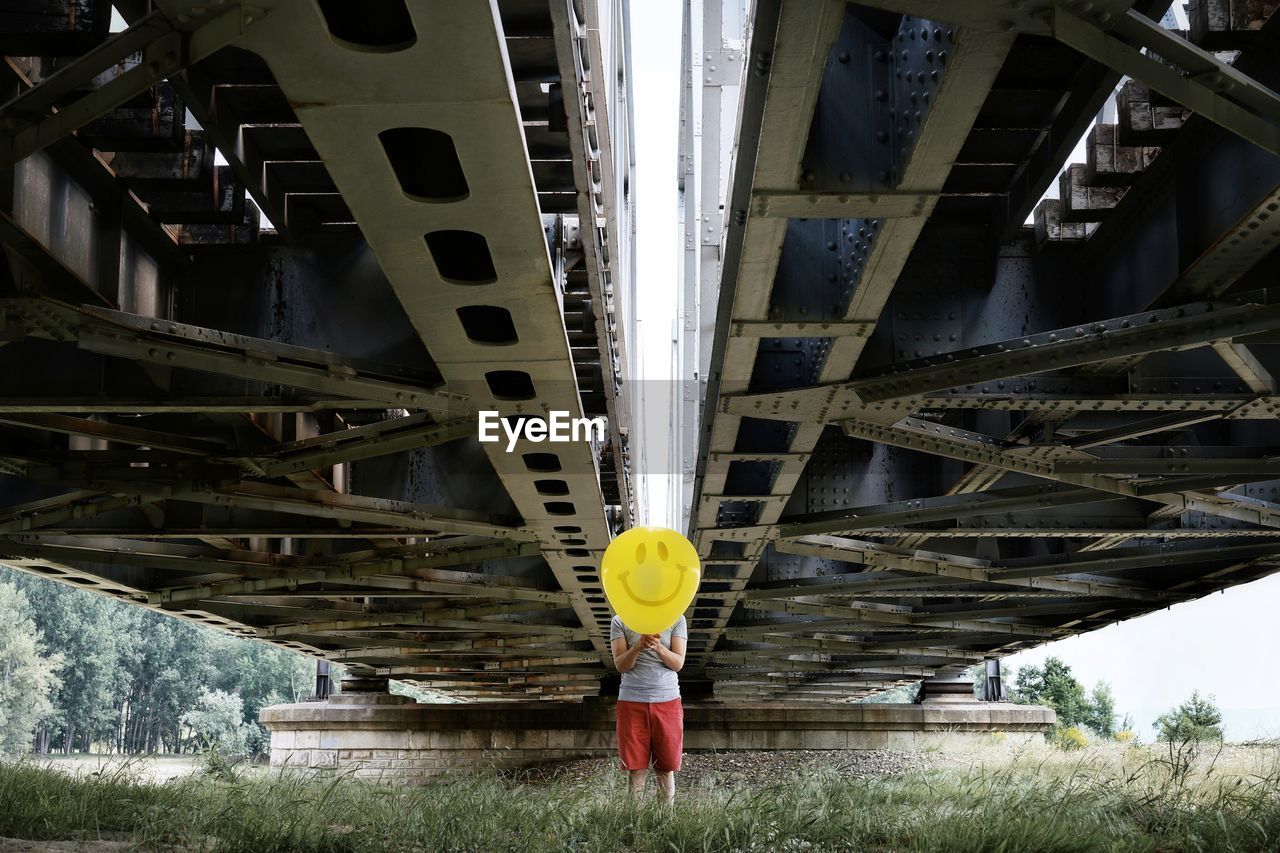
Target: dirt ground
x=155, y=769
x=707, y=770
x=17, y=845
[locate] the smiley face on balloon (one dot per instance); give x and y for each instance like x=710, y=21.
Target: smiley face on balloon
x=650, y=575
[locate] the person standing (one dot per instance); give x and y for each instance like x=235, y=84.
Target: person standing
x=650, y=720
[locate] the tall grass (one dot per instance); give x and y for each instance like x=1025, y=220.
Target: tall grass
x=1140, y=799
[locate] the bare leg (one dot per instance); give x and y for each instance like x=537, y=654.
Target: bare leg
x=635, y=782
x=666, y=780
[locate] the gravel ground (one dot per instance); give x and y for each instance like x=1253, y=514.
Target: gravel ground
x=703, y=770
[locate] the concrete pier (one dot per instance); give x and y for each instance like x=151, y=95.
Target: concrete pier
x=379, y=735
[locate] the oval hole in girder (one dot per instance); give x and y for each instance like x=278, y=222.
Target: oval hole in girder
x=461, y=257
x=488, y=324
x=568, y=528
x=510, y=385
x=551, y=487
x=425, y=163
x=563, y=508
x=544, y=463
x=374, y=26
x=577, y=552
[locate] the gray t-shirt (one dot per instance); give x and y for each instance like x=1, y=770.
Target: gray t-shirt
x=649, y=680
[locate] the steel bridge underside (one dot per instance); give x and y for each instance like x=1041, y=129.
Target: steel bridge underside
x=272, y=431
x=933, y=435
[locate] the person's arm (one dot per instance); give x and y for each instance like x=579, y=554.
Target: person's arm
x=672, y=657
x=624, y=658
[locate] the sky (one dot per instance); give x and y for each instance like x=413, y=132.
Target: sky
x=655, y=82
x=1226, y=644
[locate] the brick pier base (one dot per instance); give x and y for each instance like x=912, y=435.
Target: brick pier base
x=378, y=735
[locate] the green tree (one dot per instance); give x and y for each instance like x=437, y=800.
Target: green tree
x=1196, y=719
x=27, y=675
x=132, y=673
x=83, y=628
x=261, y=674
x=218, y=721
x=168, y=668
x=1055, y=686
x=1101, y=715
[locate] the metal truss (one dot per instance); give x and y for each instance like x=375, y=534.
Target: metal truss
x=154, y=48
x=275, y=434
x=1115, y=35
x=1028, y=440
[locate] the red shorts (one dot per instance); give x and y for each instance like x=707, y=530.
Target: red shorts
x=651, y=732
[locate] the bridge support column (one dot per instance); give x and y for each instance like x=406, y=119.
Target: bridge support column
x=993, y=684
x=391, y=738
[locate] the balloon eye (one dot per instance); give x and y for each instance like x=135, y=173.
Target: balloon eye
x=640, y=553
x=662, y=551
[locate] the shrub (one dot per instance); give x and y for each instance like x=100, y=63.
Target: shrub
x=218, y=721
x=1125, y=736
x=1197, y=719
x=1070, y=738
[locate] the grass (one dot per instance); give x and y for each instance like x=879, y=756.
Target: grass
x=1100, y=798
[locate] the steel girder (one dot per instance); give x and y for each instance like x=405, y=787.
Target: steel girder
x=1115, y=35
x=1012, y=442
x=278, y=437
x=165, y=44
x=600, y=202
x=478, y=113
x=777, y=110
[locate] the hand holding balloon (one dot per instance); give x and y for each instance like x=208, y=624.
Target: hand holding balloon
x=650, y=575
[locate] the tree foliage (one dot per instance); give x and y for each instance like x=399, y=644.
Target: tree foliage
x=27, y=674
x=218, y=720
x=130, y=675
x=1101, y=716
x=1054, y=685
x=1197, y=719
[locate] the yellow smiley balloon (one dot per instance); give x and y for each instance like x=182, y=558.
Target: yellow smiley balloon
x=650, y=574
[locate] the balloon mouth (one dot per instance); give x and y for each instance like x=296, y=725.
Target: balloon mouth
x=622, y=578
